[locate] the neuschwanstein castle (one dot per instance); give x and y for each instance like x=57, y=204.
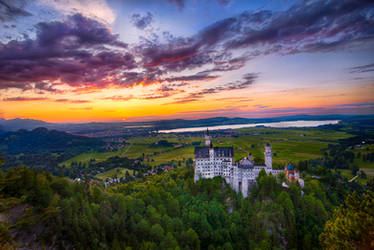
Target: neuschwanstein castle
x=219, y=161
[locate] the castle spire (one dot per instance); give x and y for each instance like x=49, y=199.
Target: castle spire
x=207, y=138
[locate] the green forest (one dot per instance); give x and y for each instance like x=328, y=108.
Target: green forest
x=42, y=207
x=169, y=211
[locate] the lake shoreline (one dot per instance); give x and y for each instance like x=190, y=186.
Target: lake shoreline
x=283, y=124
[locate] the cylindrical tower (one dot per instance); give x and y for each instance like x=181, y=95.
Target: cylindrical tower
x=268, y=156
x=207, y=138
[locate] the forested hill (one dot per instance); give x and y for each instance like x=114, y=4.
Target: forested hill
x=42, y=140
x=170, y=211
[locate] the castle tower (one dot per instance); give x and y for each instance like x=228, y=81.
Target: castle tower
x=268, y=156
x=208, y=139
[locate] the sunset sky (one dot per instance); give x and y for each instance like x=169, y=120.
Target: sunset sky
x=135, y=60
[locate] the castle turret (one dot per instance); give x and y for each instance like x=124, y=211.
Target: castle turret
x=250, y=157
x=268, y=156
x=208, y=141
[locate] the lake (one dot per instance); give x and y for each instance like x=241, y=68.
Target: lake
x=288, y=124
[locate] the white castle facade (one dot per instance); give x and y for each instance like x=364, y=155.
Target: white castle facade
x=219, y=161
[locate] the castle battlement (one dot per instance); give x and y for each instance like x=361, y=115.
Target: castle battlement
x=219, y=161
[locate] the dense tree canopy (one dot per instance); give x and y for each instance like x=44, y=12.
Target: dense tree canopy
x=169, y=211
x=352, y=225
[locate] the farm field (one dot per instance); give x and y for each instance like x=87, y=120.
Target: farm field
x=347, y=173
x=367, y=149
x=118, y=172
x=289, y=145
x=368, y=171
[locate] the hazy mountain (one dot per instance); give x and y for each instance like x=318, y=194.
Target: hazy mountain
x=16, y=124
x=42, y=140
x=99, y=129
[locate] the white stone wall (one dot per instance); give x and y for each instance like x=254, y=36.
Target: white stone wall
x=238, y=178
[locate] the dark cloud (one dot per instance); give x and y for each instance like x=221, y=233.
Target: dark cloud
x=85, y=54
x=183, y=100
x=24, y=99
x=72, y=101
x=44, y=86
x=73, y=51
x=142, y=22
x=20, y=85
x=11, y=9
x=179, y=3
x=362, y=68
x=309, y=26
x=229, y=64
x=27, y=99
x=360, y=104
x=197, y=77
x=246, y=81
x=156, y=96
x=261, y=106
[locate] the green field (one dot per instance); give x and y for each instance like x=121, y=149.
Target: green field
x=289, y=145
x=118, y=172
x=363, y=150
x=368, y=171
x=347, y=173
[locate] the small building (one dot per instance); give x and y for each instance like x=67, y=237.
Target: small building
x=292, y=174
x=168, y=168
x=289, y=171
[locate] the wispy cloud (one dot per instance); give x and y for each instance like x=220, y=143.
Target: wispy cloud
x=362, y=68
x=94, y=9
x=24, y=99
x=261, y=106
x=83, y=108
x=72, y=101
x=142, y=21
x=119, y=98
x=11, y=9
x=246, y=81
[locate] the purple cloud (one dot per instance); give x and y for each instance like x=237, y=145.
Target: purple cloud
x=362, y=68
x=142, y=22
x=310, y=26
x=72, y=101
x=84, y=53
x=246, y=81
x=24, y=99
x=74, y=52
x=11, y=9
x=181, y=3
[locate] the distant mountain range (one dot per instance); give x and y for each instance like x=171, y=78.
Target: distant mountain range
x=102, y=127
x=16, y=124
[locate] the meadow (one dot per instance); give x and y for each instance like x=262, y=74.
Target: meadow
x=117, y=172
x=289, y=145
